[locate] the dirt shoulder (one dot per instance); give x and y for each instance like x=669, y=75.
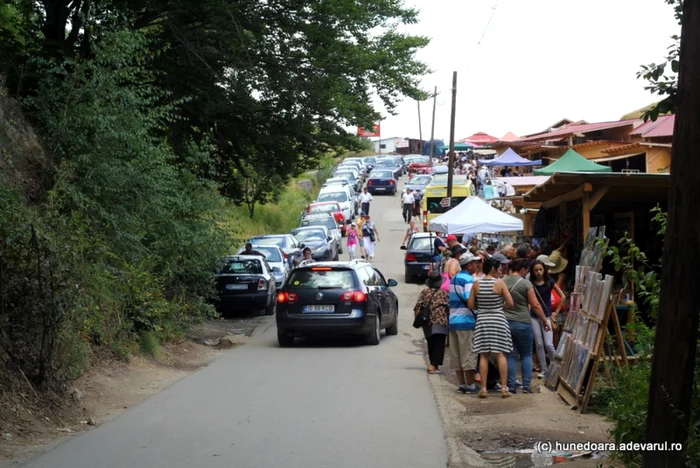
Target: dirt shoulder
x=489, y=432
x=108, y=388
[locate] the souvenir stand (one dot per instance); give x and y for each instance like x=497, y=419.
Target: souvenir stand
x=573, y=371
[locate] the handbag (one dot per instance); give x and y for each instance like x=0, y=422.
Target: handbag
x=423, y=316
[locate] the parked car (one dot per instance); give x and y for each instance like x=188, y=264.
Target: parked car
x=388, y=164
x=291, y=247
x=328, y=207
x=320, y=240
x=419, y=255
x=329, y=222
x=357, y=165
x=331, y=298
x=369, y=162
x=418, y=183
x=382, y=181
x=346, y=183
x=341, y=195
x=352, y=175
x=419, y=165
x=246, y=282
x=275, y=258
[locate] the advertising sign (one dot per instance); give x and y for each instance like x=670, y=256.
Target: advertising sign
x=363, y=132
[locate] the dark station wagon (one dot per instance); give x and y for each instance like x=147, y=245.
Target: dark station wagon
x=337, y=298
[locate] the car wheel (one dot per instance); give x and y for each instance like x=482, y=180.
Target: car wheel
x=340, y=250
x=284, y=340
x=336, y=258
x=394, y=328
x=375, y=335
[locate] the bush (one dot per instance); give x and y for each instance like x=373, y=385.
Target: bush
x=625, y=400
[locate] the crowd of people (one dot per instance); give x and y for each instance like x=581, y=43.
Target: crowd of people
x=491, y=308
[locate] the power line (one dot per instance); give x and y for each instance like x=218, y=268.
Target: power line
x=478, y=44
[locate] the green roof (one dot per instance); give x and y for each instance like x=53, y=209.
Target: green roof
x=458, y=147
x=571, y=161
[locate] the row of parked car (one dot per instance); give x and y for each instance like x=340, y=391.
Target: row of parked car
x=327, y=296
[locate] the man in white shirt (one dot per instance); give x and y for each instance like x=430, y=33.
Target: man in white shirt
x=365, y=198
x=407, y=200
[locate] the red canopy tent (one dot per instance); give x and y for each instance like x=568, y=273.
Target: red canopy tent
x=479, y=138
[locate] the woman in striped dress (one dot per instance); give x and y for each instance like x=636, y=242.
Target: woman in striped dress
x=492, y=334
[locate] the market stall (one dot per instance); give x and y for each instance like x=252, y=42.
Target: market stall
x=571, y=161
x=509, y=158
x=474, y=215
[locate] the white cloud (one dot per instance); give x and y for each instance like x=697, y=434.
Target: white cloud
x=539, y=61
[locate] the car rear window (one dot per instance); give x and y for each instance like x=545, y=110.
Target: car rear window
x=272, y=255
x=309, y=235
x=278, y=241
x=382, y=175
x=422, y=243
x=333, y=196
x=242, y=267
x=308, y=278
x=424, y=180
x=323, y=209
x=328, y=222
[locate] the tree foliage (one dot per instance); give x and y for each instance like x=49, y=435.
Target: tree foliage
x=152, y=113
x=663, y=76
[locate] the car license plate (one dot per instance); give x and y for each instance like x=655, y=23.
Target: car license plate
x=236, y=286
x=318, y=309
x=380, y=188
x=425, y=267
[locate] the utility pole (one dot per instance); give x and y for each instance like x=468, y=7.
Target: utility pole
x=432, y=129
x=450, y=167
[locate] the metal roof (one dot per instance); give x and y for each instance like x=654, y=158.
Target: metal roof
x=583, y=128
x=662, y=127
x=623, y=187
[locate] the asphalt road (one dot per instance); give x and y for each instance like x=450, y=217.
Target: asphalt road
x=320, y=404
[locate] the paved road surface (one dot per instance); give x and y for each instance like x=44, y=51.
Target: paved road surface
x=320, y=404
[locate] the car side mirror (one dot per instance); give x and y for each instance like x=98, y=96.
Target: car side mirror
x=392, y=283
x=301, y=246
x=403, y=247
x=329, y=238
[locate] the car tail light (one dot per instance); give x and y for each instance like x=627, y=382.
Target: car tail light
x=369, y=182
x=262, y=285
x=355, y=296
x=410, y=257
x=286, y=297
x=391, y=182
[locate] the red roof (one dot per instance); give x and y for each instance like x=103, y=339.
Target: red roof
x=479, y=138
x=574, y=128
x=663, y=127
x=510, y=136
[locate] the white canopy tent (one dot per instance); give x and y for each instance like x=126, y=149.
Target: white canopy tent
x=474, y=215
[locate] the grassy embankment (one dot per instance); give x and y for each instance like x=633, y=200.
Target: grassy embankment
x=283, y=216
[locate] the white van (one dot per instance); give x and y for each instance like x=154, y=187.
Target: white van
x=340, y=194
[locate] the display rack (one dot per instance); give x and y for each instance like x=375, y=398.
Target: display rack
x=572, y=372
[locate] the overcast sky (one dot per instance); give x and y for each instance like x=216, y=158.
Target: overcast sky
x=539, y=61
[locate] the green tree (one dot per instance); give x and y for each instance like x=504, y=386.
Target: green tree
x=663, y=76
x=275, y=80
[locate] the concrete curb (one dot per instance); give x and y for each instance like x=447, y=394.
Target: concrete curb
x=459, y=454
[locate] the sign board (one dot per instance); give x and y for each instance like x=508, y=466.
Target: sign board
x=401, y=143
x=365, y=133
x=445, y=202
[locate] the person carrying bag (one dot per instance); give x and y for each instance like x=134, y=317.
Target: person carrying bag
x=431, y=313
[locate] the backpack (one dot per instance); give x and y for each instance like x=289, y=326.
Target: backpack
x=367, y=231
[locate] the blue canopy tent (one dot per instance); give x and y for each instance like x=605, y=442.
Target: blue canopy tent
x=509, y=158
